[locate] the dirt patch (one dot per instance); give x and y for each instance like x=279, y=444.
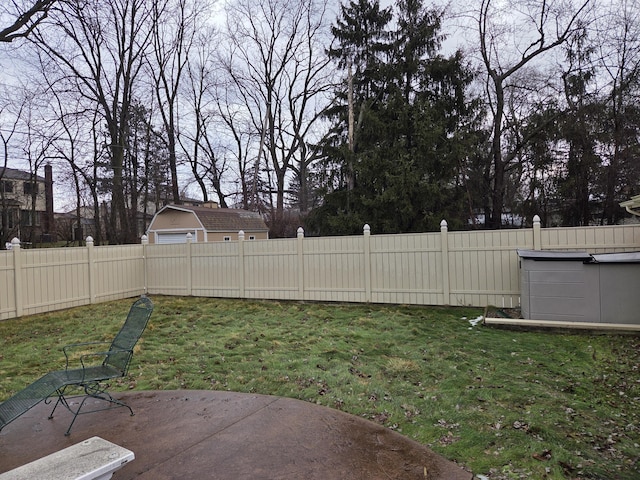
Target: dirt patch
x=495, y=312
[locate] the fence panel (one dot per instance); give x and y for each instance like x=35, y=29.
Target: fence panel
x=216, y=269
x=118, y=272
x=407, y=269
x=270, y=269
x=7, y=286
x=53, y=278
x=167, y=269
x=334, y=269
x=483, y=266
x=605, y=239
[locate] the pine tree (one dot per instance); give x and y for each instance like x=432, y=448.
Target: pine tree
x=412, y=110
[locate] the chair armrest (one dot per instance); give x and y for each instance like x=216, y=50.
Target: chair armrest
x=101, y=354
x=66, y=350
x=104, y=356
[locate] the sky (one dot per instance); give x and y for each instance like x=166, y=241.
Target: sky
x=458, y=26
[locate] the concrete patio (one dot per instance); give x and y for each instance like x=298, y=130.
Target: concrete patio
x=225, y=435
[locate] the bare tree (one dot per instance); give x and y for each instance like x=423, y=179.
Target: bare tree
x=201, y=134
x=278, y=70
x=26, y=17
x=209, y=159
x=36, y=139
x=101, y=54
x=241, y=136
x=535, y=28
x=9, y=223
x=618, y=38
x=76, y=125
x=175, y=23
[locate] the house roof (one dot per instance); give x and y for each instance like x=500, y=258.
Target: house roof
x=13, y=174
x=223, y=219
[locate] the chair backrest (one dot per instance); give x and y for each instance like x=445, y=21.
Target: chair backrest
x=129, y=335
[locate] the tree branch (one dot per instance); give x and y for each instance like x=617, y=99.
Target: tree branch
x=27, y=21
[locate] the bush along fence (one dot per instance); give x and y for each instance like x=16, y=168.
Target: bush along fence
x=475, y=268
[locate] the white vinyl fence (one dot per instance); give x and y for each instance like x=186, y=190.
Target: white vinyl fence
x=476, y=268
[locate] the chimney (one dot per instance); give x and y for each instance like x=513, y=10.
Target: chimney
x=48, y=199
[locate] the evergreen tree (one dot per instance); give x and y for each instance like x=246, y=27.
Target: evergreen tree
x=413, y=116
x=363, y=44
x=579, y=127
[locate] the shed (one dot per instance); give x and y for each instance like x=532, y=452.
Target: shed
x=172, y=223
x=580, y=287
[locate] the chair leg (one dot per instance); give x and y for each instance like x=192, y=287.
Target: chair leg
x=61, y=399
x=94, y=390
x=75, y=415
x=106, y=396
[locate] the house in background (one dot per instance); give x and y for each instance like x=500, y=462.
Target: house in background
x=163, y=196
x=26, y=206
x=172, y=223
x=76, y=225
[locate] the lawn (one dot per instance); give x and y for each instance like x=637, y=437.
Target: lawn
x=504, y=404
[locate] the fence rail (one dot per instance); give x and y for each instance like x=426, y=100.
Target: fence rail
x=475, y=268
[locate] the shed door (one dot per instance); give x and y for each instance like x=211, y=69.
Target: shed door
x=164, y=238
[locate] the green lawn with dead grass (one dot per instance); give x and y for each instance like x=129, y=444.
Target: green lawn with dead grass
x=504, y=404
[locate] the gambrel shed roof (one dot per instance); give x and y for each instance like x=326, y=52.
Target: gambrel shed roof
x=172, y=222
x=225, y=219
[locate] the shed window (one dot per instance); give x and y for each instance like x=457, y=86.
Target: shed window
x=227, y=239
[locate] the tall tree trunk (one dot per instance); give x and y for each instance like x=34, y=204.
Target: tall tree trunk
x=497, y=192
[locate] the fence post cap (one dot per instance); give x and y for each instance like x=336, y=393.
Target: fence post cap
x=241, y=235
x=15, y=241
x=367, y=229
x=144, y=239
x=536, y=219
x=443, y=224
x=300, y=232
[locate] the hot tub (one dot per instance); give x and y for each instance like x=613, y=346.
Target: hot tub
x=580, y=287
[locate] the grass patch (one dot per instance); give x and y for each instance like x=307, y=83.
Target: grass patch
x=504, y=404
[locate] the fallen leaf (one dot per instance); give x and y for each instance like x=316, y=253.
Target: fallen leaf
x=545, y=455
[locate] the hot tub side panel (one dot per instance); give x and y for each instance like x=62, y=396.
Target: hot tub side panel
x=560, y=291
x=525, y=290
x=619, y=292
